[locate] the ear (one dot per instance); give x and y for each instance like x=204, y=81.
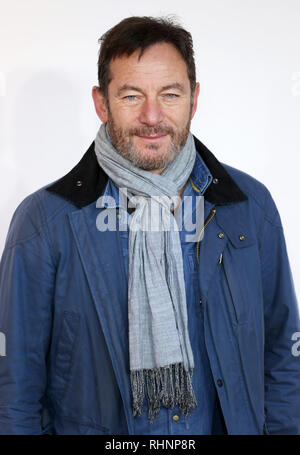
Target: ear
x=195, y=98
x=100, y=104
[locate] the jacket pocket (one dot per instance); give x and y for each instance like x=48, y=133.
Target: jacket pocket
x=236, y=319
x=64, y=354
x=238, y=309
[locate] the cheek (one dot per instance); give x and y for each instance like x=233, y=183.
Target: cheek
x=124, y=118
x=178, y=115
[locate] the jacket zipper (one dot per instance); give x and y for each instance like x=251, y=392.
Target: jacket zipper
x=208, y=219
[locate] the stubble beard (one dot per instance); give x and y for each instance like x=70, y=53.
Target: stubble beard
x=122, y=140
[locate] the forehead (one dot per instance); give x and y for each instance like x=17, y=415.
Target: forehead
x=160, y=63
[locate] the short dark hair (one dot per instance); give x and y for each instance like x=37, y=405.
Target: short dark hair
x=137, y=32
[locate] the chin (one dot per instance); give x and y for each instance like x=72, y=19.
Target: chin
x=155, y=162
x=154, y=155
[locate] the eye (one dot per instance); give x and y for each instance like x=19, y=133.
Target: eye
x=171, y=96
x=130, y=97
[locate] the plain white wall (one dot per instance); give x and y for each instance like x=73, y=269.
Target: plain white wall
x=248, y=64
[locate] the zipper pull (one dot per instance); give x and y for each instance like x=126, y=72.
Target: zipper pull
x=220, y=258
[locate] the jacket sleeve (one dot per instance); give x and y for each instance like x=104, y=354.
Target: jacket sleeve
x=26, y=294
x=281, y=317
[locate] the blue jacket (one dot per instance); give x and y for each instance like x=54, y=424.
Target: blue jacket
x=65, y=368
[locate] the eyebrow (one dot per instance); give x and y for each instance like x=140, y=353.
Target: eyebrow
x=175, y=85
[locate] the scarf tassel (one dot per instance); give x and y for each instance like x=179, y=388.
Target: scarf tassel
x=167, y=386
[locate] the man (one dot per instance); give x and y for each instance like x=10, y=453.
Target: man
x=139, y=331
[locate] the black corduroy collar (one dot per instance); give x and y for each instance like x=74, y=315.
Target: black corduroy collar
x=86, y=181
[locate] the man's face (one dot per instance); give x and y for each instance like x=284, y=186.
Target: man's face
x=149, y=107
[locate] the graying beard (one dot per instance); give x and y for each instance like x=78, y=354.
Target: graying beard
x=147, y=164
x=128, y=151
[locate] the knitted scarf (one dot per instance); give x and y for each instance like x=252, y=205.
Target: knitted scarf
x=161, y=357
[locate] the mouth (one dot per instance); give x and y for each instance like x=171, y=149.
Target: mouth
x=153, y=138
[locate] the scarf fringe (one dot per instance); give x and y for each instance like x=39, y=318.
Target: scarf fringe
x=167, y=386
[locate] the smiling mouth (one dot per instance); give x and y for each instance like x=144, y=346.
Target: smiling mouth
x=153, y=138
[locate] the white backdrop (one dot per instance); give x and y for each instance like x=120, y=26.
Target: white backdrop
x=248, y=64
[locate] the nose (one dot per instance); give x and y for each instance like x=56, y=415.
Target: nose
x=151, y=112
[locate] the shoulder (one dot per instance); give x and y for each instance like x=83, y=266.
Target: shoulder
x=34, y=213
x=252, y=187
x=257, y=192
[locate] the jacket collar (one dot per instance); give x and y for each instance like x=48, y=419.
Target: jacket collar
x=86, y=181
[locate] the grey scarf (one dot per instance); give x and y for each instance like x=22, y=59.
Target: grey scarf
x=161, y=358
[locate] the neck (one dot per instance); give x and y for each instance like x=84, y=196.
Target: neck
x=157, y=171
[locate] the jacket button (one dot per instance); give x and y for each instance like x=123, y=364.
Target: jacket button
x=242, y=237
x=200, y=301
x=220, y=382
x=215, y=181
x=175, y=418
x=220, y=235
x=79, y=183
x=119, y=215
